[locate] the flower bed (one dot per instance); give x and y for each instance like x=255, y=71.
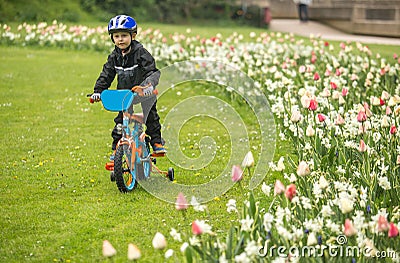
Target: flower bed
x=340, y=107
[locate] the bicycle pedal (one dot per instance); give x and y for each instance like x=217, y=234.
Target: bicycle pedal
x=110, y=166
x=157, y=154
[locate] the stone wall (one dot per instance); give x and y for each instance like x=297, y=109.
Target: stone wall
x=368, y=17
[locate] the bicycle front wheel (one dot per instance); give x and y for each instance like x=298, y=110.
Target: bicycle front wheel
x=125, y=180
x=143, y=166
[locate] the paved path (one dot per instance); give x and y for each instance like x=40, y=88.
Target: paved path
x=328, y=33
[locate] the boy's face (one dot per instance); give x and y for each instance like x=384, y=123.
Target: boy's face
x=123, y=39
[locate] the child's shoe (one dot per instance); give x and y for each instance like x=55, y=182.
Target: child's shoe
x=158, y=148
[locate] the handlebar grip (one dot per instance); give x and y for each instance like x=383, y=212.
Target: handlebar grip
x=90, y=99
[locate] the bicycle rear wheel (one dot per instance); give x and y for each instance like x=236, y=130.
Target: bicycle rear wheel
x=125, y=180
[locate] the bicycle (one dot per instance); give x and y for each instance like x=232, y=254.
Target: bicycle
x=132, y=160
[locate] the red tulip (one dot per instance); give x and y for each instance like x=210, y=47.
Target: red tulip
x=333, y=85
x=321, y=117
x=290, y=191
x=316, y=76
x=313, y=105
x=393, y=230
x=393, y=129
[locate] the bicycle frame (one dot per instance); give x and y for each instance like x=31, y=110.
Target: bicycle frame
x=134, y=137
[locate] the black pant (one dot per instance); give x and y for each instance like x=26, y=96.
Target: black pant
x=153, y=127
x=303, y=12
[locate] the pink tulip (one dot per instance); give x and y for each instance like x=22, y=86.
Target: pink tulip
x=181, y=203
x=237, y=173
x=349, y=229
x=383, y=224
x=362, y=147
x=313, y=59
x=333, y=85
x=361, y=117
x=290, y=191
x=393, y=230
x=345, y=91
x=366, y=106
x=327, y=72
x=388, y=110
x=339, y=120
x=196, y=228
x=316, y=76
x=279, y=187
x=338, y=72
x=398, y=160
x=362, y=129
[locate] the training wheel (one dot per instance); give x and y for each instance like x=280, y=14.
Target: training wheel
x=171, y=174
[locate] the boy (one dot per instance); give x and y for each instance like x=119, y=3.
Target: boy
x=134, y=66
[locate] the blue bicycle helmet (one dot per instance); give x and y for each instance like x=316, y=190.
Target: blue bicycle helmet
x=122, y=23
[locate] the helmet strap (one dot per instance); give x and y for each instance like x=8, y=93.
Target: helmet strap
x=126, y=50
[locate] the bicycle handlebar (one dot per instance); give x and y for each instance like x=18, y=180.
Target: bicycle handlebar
x=136, y=89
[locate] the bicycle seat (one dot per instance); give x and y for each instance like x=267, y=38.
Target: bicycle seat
x=117, y=100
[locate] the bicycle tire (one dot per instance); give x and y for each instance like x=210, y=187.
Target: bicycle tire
x=124, y=178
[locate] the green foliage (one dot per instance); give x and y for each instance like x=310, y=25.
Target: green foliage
x=42, y=10
x=165, y=11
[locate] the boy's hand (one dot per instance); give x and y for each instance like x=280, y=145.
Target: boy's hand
x=145, y=91
x=148, y=91
x=95, y=97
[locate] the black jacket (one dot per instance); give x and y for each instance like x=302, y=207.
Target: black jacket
x=136, y=68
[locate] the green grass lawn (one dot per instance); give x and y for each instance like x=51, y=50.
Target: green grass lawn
x=57, y=201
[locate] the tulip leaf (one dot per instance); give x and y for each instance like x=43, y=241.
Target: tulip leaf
x=229, y=242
